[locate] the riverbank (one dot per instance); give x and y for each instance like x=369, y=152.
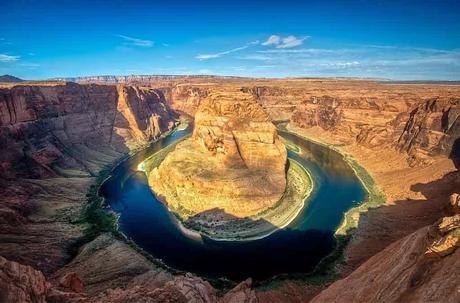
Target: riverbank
x=94, y=217
x=375, y=196
x=219, y=226
x=403, y=198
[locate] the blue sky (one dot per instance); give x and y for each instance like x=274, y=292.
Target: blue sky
x=385, y=39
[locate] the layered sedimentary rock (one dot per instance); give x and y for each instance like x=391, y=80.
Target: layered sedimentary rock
x=43, y=183
x=54, y=138
x=422, y=267
x=433, y=128
x=369, y=113
x=51, y=130
x=20, y=283
x=234, y=161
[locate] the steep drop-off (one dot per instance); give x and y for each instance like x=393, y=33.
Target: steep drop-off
x=54, y=139
x=422, y=267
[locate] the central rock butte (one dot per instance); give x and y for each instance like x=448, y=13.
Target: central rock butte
x=234, y=162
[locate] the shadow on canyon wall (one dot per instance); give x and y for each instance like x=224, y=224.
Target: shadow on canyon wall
x=53, y=141
x=455, y=153
x=379, y=227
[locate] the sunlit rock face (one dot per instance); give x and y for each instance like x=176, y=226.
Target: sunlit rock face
x=67, y=128
x=234, y=161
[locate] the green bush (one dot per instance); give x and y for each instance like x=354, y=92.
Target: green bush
x=97, y=220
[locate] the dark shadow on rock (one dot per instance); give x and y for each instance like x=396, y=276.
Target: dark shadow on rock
x=285, y=252
x=383, y=225
x=455, y=153
x=73, y=131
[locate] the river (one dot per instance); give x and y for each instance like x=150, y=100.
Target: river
x=296, y=248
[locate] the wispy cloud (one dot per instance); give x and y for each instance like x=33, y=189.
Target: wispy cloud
x=29, y=65
x=397, y=62
x=8, y=58
x=272, y=40
x=310, y=51
x=284, y=42
x=136, y=41
x=220, y=54
x=258, y=57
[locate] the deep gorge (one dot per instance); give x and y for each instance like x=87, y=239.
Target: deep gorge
x=56, y=137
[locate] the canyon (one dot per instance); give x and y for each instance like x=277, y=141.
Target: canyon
x=57, y=136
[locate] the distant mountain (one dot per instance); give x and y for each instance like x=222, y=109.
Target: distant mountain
x=136, y=79
x=9, y=78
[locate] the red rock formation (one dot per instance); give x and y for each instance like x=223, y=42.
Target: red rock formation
x=53, y=138
x=431, y=129
x=72, y=282
x=48, y=129
x=234, y=161
x=20, y=283
x=422, y=267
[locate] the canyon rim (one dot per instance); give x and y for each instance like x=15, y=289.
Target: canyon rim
x=230, y=152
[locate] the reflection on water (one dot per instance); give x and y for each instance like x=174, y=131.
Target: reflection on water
x=297, y=248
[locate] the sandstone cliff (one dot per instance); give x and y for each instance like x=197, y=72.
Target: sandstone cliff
x=19, y=283
x=420, y=120
x=422, y=267
x=234, y=161
x=432, y=129
x=53, y=139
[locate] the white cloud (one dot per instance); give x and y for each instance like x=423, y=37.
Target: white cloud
x=217, y=55
x=8, y=58
x=307, y=51
x=272, y=40
x=136, y=42
x=291, y=41
x=284, y=42
x=256, y=57
x=339, y=64
x=396, y=62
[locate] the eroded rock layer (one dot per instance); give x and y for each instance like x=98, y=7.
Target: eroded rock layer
x=54, y=138
x=422, y=267
x=234, y=161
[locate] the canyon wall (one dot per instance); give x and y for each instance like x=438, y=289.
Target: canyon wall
x=432, y=128
x=51, y=130
x=421, y=267
x=54, y=139
x=412, y=118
